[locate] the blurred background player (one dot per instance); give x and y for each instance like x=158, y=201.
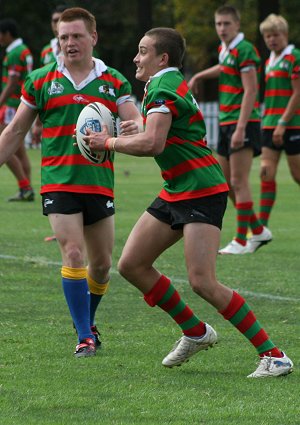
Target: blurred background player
x=281, y=120
x=17, y=63
x=239, y=134
x=51, y=51
x=77, y=196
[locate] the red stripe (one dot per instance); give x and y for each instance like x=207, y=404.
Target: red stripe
x=260, y=338
x=177, y=141
x=172, y=302
x=228, y=70
x=277, y=92
x=189, y=165
x=65, y=130
x=100, y=190
x=193, y=194
x=185, y=315
x=267, y=202
x=230, y=89
x=76, y=159
x=233, y=307
x=247, y=322
x=182, y=89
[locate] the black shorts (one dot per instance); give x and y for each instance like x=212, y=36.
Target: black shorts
x=252, y=139
x=291, y=141
x=93, y=207
x=209, y=209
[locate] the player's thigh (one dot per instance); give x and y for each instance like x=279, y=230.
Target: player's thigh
x=224, y=163
x=268, y=163
x=240, y=165
x=68, y=228
x=294, y=165
x=201, y=244
x=147, y=240
x=99, y=239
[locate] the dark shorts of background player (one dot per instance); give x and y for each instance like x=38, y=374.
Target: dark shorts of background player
x=252, y=139
x=93, y=207
x=291, y=141
x=209, y=209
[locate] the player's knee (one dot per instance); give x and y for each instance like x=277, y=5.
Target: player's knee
x=74, y=256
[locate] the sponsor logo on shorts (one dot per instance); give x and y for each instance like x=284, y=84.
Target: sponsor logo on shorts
x=47, y=202
x=109, y=204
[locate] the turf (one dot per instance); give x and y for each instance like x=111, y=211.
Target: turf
x=125, y=384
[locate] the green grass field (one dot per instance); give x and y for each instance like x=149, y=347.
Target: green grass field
x=125, y=384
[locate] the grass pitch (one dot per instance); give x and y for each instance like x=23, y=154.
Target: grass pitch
x=125, y=384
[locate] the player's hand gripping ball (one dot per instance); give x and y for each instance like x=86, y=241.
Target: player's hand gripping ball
x=94, y=116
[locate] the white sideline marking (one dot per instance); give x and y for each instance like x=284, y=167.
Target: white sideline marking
x=44, y=262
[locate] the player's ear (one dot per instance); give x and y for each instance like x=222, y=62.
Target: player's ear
x=164, y=59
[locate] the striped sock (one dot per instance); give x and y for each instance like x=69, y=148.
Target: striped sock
x=242, y=317
x=78, y=299
x=255, y=224
x=97, y=290
x=164, y=295
x=267, y=200
x=243, y=210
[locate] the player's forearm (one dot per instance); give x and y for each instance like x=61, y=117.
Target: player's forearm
x=247, y=106
x=292, y=106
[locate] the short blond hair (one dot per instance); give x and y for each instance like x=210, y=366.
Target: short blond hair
x=274, y=23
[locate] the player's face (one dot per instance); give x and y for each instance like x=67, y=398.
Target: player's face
x=54, y=20
x=147, y=61
x=227, y=28
x=275, y=41
x=76, y=41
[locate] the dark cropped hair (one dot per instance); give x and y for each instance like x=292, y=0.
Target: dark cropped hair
x=227, y=9
x=9, y=25
x=168, y=40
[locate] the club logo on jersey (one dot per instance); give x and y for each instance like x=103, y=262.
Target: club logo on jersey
x=284, y=65
x=230, y=61
x=80, y=99
x=159, y=102
x=55, y=88
x=105, y=89
x=92, y=124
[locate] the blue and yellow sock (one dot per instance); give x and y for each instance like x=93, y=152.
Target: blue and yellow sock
x=97, y=290
x=77, y=295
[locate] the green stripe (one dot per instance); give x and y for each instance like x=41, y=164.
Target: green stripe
x=253, y=330
x=266, y=346
x=193, y=321
x=268, y=195
x=177, y=309
x=240, y=314
x=244, y=212
x=167, y=295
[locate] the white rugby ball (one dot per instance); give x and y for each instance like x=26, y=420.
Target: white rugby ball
x=93, y=116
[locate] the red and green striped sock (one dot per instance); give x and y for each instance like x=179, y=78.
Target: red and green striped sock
x=242, y=317
x=243, y=211
x=255, y=224
x=267, y=200
x=164, y=295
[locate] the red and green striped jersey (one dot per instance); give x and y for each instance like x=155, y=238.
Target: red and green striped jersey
x=17, y=62
x=280, y=71
x=234, y=60
x=59, y=101
x=47, y=55
x=187, y=165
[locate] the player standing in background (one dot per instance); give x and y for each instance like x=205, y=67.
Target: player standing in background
x=190, y=205
x=239, y=134
x=17, y=63
x=51, y=50
x=77, y=196
x=281, y=120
